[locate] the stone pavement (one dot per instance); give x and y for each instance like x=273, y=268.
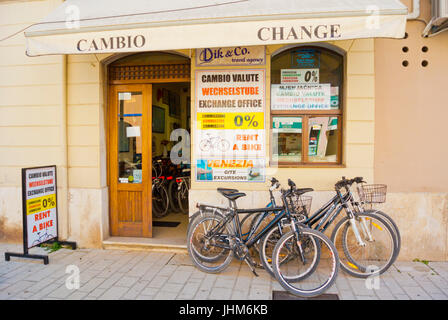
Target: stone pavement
x=136, y=275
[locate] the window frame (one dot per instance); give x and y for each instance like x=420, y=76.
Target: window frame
x=307, y=114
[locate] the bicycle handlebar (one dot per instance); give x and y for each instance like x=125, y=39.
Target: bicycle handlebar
x=275, y=184
x=347, y=182
x=291, y=184
x=358, y=180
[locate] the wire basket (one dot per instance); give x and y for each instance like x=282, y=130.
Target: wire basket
x=301, y=206
x=373, y=193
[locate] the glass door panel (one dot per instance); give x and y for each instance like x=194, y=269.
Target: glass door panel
x=130, y=141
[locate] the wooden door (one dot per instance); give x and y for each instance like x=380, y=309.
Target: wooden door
x=130, y=159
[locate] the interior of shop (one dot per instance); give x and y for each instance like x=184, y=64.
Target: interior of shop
x=170, y=171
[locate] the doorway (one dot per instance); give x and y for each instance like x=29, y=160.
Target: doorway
x=149, y=97
x=170, y=119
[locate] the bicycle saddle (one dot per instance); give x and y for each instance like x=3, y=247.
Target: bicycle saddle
x=226, y=190
x=234, y=196
x=231, y=194
x=303, y=190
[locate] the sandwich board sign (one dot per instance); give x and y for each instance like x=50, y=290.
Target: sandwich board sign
x=39, y=205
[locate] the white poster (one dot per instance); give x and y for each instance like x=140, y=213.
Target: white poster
x=40, y=197
x=230, y=123
x=230, y=90
x=296, y=76
x=301, y=97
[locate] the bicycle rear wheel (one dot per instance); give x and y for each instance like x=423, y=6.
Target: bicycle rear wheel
x=372, y=257
x=309, y=274
x=159, y=201
x=172, y=195
x=209, y=250
x=266, y=247
x=182, y=197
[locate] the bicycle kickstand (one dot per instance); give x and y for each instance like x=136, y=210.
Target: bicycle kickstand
x=251, y=265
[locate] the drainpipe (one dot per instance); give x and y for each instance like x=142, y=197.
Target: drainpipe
x=415, y=10
x=64, y=224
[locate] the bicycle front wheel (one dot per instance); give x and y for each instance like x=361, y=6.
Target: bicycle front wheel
x=372, y=252
x=391, y=224
x=305, y=270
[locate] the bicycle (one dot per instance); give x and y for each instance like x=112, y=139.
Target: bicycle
x=363, y=262
x=212, y=238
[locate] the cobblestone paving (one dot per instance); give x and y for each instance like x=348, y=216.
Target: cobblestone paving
x=136, y=275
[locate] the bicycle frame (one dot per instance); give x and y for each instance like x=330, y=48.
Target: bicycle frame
x=325, y=216
x=232, y=213
x=252, y=238
x=358, y=207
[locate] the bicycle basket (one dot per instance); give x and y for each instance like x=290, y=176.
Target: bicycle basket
x=373, y=193
x=301, y=205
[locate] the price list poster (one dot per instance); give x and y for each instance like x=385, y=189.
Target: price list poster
x=230, y=131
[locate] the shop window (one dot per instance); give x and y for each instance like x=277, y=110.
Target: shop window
x=306, y=107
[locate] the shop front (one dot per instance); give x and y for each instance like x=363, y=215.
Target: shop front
x=249, y=90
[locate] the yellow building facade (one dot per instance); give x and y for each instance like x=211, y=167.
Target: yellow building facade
x=54, y=110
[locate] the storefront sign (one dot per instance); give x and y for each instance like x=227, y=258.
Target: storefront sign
x=51, y=38
x=230, y=114
x=296, y=76
x=111, y=43
x=231, y=56
x=40, y=204
x=303, y=32
x=230, y=170
x=301, y=97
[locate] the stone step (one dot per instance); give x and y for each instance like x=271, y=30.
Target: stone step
x=143, y=244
